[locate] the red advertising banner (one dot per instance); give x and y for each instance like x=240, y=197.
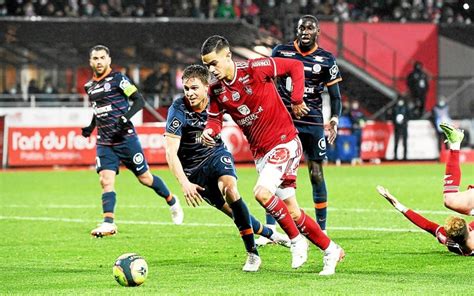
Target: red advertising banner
x=375, y=138
x=47, y=146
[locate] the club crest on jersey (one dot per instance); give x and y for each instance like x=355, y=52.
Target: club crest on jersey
x=248, y=89
x=333, y=71
x=279, y=156
x=106, y=86
x=235, y=96
x=138, y=158
x=244, y=110
x=174, y=125
x=316, y=68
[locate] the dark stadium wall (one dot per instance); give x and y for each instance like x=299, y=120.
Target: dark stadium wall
x=387, y=51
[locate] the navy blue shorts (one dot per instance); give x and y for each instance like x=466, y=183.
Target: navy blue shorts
x=313, y=141
x=130, y=153
x=219, y=164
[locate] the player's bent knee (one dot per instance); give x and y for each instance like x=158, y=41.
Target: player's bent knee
x=262, y=195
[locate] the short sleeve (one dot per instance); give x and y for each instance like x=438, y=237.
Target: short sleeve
x=175, y=121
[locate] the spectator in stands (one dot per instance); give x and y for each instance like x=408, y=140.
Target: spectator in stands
x=225, y=10
x=440, y=114
x=358, y=119
x=417, y=82
x=32, y=87
x=250, y=12
x=400, y=117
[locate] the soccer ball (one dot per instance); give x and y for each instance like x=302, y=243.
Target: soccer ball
x=130, y=270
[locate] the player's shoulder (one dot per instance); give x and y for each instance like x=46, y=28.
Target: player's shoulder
x=323, y=53
x=178, y=104
x=88, y=84
x=215, y=85
x=259, y=62
x=285, y=50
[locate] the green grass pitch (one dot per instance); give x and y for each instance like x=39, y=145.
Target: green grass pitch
x=46, y=249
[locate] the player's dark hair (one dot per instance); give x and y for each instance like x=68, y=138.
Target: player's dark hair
x=196, y=71
x=99, y=47
x=311, y=18
x=214, y=43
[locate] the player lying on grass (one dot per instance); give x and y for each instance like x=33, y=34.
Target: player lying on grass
x=459, y=201
x=208, y=172
x=457, y=235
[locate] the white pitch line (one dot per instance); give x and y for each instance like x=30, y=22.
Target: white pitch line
x=207, y=207
x=72, y=220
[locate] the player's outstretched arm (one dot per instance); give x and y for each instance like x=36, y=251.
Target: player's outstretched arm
x=411, y=215
x=391, y=199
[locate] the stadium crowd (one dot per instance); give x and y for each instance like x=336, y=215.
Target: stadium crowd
x=254, y=11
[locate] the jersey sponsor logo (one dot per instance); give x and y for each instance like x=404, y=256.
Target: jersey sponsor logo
x=309, y=90
x=235, y=96
x=244, y=79
x=102, y=110
x=261, y=63
x=244, y=110
x=319, y=59
x=138, y=158
x=174, y=125
x=248, y=89
x=287, y=53
x=218, y=91
x=322, y=144
x=107, y=86
x=316, y=68
x=279, y=156
x=97, y=90
x=108, y=78
x=334, y=71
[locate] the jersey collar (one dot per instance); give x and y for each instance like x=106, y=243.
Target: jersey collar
x=106, y=73
x=295, y=44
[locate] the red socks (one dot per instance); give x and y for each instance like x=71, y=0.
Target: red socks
x=452, y=177
x=277, y=208
x=309, y=228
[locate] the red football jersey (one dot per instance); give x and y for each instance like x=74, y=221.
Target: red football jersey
x=251, y=99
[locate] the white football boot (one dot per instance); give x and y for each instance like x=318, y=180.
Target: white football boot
x=104, y=229
x=332, y=255
x=177, y=214
x=299, y=251
x=253, y=263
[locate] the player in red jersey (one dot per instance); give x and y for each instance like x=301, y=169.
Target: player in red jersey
x=457, y=235
x=459, y=201
x=246, y=92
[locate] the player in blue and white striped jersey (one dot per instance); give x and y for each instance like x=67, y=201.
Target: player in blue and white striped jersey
x=117, y=141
